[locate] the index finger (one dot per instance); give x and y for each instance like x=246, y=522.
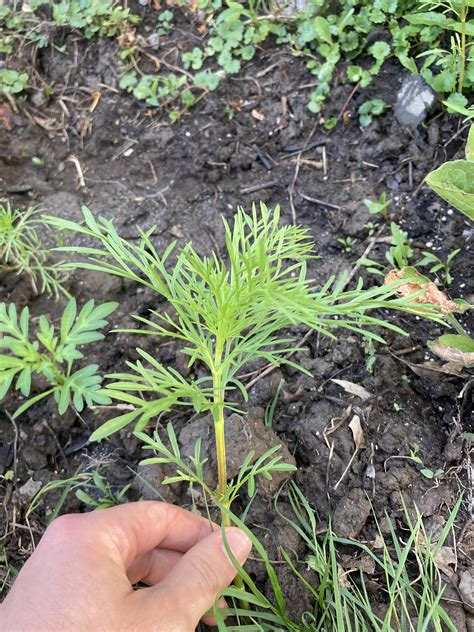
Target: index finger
x=136, y=528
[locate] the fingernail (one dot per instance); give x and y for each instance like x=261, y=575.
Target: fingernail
x=238, y=543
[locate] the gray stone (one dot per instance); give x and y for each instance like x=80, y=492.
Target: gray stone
x=290, y=7
x=149, y=482
x=414, y=100
x=28, y=490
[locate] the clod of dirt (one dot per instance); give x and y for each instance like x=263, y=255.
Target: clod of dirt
x=351, y=514
x=243, y=435
x=466, y=589
x=149, y=482
x=455, y=609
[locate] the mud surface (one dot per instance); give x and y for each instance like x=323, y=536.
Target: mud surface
x=141, y=171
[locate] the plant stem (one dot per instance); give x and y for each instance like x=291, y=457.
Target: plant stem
x=218, y=417
x=219, y=430
x=463, y=17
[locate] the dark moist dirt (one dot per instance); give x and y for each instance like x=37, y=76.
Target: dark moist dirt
x=140, y=171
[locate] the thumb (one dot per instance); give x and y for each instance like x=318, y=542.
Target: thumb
x=191, y=587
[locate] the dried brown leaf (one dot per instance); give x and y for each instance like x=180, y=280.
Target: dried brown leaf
x=6, y=117
x=429, y=369
x=365, y=563
x=430, y=294
x=352, y=388
x=452, y=355
x=445, y=560
x=258, y=116
x=357, y=432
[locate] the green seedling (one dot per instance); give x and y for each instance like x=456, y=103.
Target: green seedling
x=52, y=354
x=424, y=471
x=379, y=206
x=436, y=264
x=95, y=17
x=21, y=250
x=227, y=313
x=455, y=65
x=398, y=255
x=405, y=568
x=97, y=493
x=369, y=109
x=270, y=409
x=347, y=243
x=12, y=82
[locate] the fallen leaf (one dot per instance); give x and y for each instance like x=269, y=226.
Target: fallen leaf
x=353, y=389
x=454, y=348
x=342, y=577
x=430, y=294
x=6, y=117
x=257, y=115
x=445, y=559
x=378, y=542
x=365, y=563
x=357, y=432
x=427, y=369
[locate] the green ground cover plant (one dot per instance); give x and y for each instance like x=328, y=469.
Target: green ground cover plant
x=430, y=38
x=22, y=252
x=52, y=353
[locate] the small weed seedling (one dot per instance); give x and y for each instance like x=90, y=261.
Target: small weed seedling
x=380, y=206
x=437, y=265
x=22, y=252
x=398, y=255
x=369, y=109
x=52, y=354
x=12, y=81
x=226, y=314
x=347, y=243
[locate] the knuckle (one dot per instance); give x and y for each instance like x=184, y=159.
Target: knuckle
x=63, y=528
x=207, y=576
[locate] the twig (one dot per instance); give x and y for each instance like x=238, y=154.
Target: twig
x=348, y=100
x=259, y=187
x=348, y=466
x=322, y=202
x=291, y=188
x=80, y=173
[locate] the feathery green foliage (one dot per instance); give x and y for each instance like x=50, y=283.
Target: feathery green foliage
x=227, y=313
x=52, y=354
x=21, y=250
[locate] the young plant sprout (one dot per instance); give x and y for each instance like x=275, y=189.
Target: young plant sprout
x=21, y=250
x=227, y=313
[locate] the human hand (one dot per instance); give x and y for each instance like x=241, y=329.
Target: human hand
x=81, y=574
